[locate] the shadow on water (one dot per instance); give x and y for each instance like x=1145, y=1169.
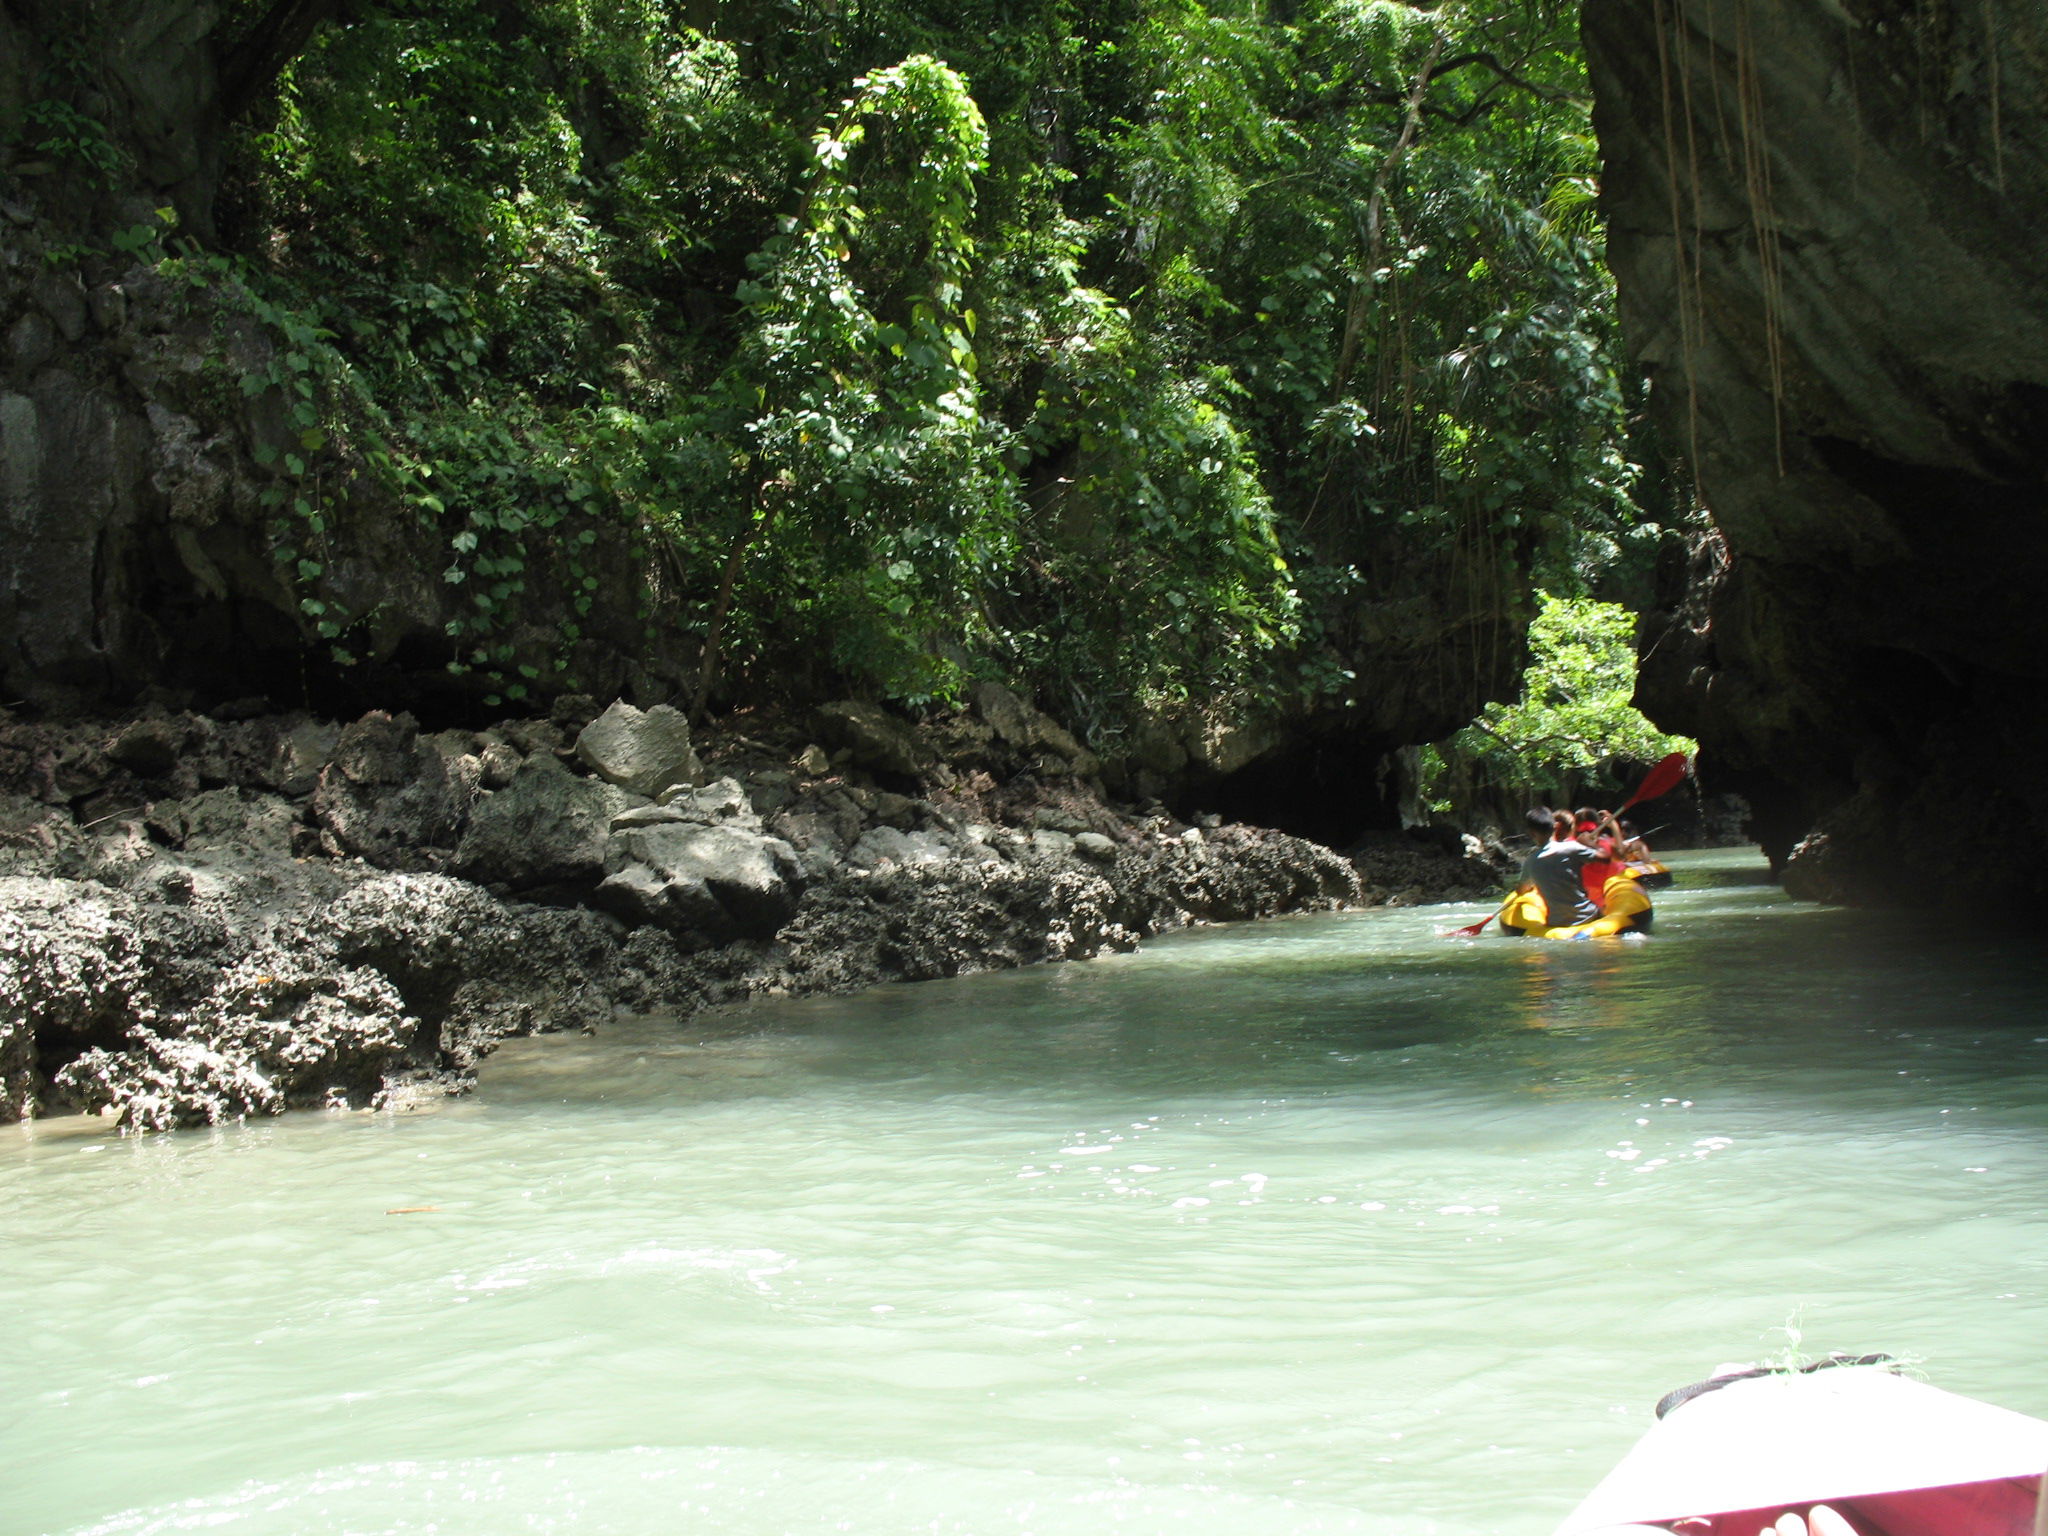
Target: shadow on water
x=1738, y=988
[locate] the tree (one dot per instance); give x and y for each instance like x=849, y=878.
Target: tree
x=1572, y=735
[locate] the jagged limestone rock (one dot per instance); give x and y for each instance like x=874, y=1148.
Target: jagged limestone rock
x=223, y=818
x=546, y=827
x=876, y=739
x=723, y=802
x=1095, y=847
x=885, y=845
x=644, y=751
x=472, y=968
x=719, y=881
x=275, y=1034
x=1823, y=224
x=391, y=797
x=1007, y=715
x=72, y=971
x=300, y=755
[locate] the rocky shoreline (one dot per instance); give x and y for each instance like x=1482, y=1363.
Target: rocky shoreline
x=205, y=917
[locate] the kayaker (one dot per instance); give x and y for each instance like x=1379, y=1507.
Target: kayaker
x=1639, y=861
x=1604, y=833
x=1540, y=823
x=1612, y=901
x=1633, y=849
x=1558, y=869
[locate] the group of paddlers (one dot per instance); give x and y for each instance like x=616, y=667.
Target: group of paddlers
x=1587, y=878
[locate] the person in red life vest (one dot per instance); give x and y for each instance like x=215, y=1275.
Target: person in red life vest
x=1606, y=831
x=1600, y=831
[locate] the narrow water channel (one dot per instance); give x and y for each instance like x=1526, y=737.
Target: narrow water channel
x=1327, y=1224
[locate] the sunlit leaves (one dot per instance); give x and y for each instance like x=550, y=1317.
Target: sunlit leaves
x=1572, y=721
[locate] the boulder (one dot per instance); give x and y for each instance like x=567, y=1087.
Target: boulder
x=1063, y=752
x=35, y=839
x=391, y=798
x=302, y=751
x=150, y=747
x=225, y=818
x=1225, y=742
x=500, y=761
x=377, y=749
x=720, y=803
x=820, y=838
x=1053, y=750
x=881, y=846
x=644, y=751
x=720, y=881
x=471, y=968
x=546, y=828
x=1094, y=847
x=573, y=711
x=1048, y=844
x=532, y=738
x=1059, y=818
x=875, y=739
x=71, y=973
x=1008, y=716
x=770, y=789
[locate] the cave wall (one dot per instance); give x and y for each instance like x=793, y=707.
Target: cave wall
x=1825, y=224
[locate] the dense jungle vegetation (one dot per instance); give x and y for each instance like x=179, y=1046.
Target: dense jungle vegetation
x=1119, y=350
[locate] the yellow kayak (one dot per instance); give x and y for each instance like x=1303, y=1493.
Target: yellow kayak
x=1627, y=909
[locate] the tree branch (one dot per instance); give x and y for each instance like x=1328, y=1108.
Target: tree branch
x=281, y=35
x=1375, y=209
x=1503, y=73
x=1464, y=60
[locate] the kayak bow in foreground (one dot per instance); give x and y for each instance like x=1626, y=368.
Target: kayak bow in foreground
x=1890, y=1455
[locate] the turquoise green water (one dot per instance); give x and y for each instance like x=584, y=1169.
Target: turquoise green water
x=1328, y=1224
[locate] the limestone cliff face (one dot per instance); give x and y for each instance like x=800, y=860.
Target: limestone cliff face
x=139, y=543
x=1825, y=223
x=145, y=417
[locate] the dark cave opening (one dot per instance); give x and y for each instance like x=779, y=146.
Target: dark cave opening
x=1333, y=790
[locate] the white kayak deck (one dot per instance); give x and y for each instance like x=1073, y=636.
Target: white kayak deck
x=1778, y=1441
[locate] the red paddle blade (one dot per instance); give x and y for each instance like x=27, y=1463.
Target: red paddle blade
x=1471, y=932
x=1660, y=780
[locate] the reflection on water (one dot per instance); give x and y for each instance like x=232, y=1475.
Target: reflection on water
x=1327, y=1224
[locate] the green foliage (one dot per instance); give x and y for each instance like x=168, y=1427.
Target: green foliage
x=1135, y=354
x=1155, y=560
x=53, y=127
x=1572, y=735
x=860, y=414
x=61, y=119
